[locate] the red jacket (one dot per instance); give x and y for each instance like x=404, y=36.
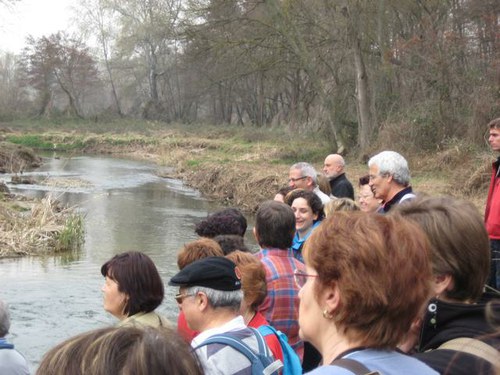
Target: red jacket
x=492, y=212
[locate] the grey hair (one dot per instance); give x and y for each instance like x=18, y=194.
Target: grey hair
x=4, y=319
x=392, y=163
x=219, y=298
x=307, y=171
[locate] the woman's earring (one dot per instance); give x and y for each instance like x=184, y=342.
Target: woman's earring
x=327, y=315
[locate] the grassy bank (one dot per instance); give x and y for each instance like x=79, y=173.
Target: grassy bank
x=243, y=166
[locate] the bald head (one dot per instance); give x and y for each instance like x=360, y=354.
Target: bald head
x=334, y=165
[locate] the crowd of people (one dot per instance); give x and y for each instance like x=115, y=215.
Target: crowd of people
x=395, y=282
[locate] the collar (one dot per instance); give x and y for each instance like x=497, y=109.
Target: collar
x=444, y=321
x=4, y=344
x=233, y=325
x=275, y=252
x=338, y=177
x=388, y=205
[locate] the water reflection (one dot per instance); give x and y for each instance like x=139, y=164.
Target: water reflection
x=126, y=207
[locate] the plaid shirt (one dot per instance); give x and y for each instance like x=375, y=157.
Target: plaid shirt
x=281, y=306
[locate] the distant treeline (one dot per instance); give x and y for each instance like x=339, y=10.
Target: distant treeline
x=364, y=73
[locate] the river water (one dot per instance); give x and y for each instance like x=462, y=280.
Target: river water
x=126, y=207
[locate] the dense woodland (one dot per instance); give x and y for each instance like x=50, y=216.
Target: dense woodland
x=420, y=73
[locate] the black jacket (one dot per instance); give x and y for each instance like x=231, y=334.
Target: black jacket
x=341, y=187
x=450, y=321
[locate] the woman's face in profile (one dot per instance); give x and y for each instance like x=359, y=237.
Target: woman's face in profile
x=367, y=201
x=114, y=301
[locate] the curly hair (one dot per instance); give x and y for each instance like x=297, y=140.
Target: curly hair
x=312, y=200
x=226, y=221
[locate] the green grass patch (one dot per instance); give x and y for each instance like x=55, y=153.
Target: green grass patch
x=29, y=140
x=71, y=237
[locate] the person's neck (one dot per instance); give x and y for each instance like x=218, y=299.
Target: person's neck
x=304, y=233
x=335, y=345
x=217, y=318
x=248, y=315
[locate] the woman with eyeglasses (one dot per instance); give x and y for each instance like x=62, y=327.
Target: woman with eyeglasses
x=133, y=289
x=366, y=278
x=308, y=210
x=366, y=198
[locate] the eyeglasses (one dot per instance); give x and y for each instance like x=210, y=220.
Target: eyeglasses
x=179, y=297
x=301, y=277
x=296, y=179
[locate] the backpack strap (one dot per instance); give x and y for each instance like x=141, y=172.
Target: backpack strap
x=244, y=349
x=356, y=367
x=475, y=347
x=266, y=330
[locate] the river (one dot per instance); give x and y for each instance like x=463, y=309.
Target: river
x=126, y=207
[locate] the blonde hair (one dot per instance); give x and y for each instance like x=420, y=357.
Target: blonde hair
x=121, y=350
x=340, y=204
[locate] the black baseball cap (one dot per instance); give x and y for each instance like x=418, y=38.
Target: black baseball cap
x=217, y=273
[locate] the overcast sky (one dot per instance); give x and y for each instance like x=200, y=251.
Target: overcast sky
x=35, y=17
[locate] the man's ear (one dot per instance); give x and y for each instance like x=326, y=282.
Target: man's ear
x=310, y=181
x=201, y=301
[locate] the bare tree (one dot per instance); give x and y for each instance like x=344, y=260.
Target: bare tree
x=59, y=61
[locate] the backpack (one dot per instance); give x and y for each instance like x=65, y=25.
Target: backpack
x=262, y=362
x=291, y=365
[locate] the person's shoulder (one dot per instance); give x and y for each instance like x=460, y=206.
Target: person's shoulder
x=458, y=363
x=387, y=362
x=329, y=370
x=13, y=362
x=150, y=319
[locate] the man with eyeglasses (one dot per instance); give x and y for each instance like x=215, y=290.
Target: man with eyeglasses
x=492, y=212
x=210, y=296
x=390, y=179
x=303, y=176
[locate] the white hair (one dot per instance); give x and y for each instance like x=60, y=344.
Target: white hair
x=392, y=163
x=219, y=298
x=307, y=170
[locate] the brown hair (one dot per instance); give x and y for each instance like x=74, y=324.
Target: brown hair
x=121, y=350
x=230, y=243
x=380, y=266
x=253, y=277
x=364, y=180
x=494, y=123
x=198, y=249
x=311, y=198
x=275, y=225
x=324, y=184
x=137, y=276
x=459, y=241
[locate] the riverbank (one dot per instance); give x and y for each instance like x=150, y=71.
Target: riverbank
x=241, y=166
x=29, y=226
